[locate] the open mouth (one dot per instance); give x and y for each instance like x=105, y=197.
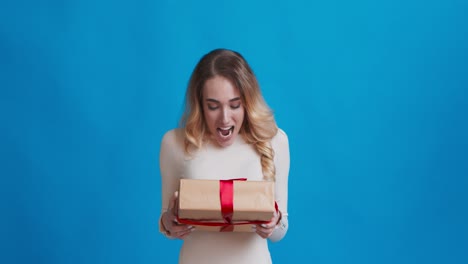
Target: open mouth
x=225, y=131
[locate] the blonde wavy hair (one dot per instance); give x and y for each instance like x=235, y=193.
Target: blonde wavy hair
x=259, y=125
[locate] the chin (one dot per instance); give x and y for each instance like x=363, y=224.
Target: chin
x=225, y=144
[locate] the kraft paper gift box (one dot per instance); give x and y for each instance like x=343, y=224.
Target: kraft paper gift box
x=229, y=205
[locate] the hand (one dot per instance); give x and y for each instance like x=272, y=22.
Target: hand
x=265, y=230
x=170, y=223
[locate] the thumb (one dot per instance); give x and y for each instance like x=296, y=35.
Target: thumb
x=173, y=202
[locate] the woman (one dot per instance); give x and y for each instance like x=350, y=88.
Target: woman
x=227, y=131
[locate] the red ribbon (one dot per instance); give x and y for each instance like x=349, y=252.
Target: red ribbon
x=226, y=196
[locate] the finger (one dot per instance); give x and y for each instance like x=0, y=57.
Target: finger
x=274, y=219
x=263, y=232
x=181, y=228
x=275, y=216
x=268, y=226
x=272, y=223
x=183, y=232
x=173, y=202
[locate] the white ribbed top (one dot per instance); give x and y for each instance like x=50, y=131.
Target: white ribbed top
x=240, y=160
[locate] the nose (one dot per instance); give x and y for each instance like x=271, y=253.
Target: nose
x=225, y=115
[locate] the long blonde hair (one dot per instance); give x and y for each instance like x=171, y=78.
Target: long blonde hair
x=259, y=125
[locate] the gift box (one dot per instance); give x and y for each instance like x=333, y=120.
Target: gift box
x=225, y=205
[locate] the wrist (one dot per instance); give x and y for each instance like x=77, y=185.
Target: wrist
x=279, y=218
x=282, y=223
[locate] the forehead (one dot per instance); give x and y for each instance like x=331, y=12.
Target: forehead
x=220, y=88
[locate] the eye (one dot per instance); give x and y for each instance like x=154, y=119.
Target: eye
x=212, y=107
x=235, y=106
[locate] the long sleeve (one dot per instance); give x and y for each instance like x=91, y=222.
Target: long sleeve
x=280, y=146
x=171, y=159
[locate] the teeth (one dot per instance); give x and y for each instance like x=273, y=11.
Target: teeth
x=225, y=131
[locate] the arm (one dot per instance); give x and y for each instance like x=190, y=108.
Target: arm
x=171, y=158
x=280, y=144
x=276, y=229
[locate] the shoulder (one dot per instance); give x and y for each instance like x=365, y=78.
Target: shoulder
x=280, y=142
x=173, y=135
x=173, y=139
x=280, y=138
x=280, y=145
x=171, y=153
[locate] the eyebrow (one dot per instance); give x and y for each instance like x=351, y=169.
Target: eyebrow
x=216, y=101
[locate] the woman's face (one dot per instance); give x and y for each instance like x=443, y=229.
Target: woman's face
x=223, y=110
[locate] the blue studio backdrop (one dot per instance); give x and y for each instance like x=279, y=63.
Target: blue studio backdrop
x=372, y=94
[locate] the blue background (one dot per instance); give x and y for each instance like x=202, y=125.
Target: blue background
x=373, y=96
